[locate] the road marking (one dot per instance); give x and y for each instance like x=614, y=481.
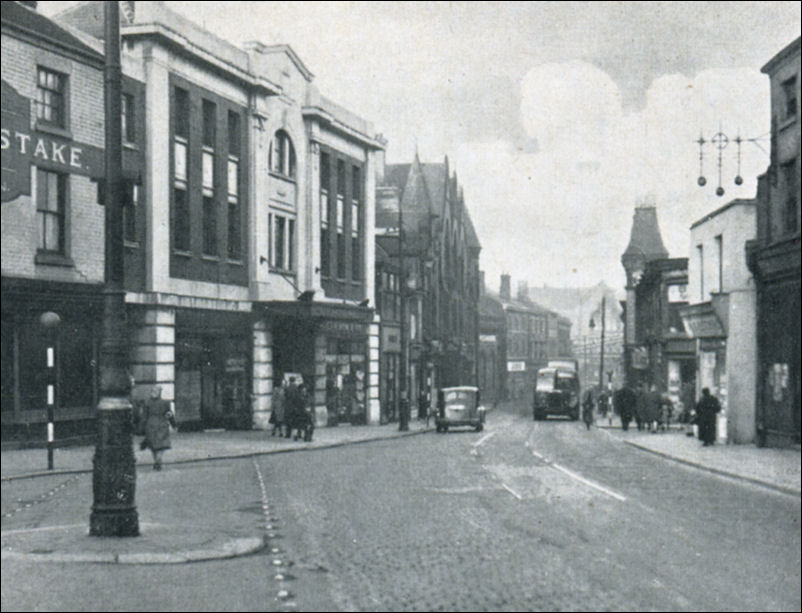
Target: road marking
x=511, y=491
x=486, y=437
x=588, y=482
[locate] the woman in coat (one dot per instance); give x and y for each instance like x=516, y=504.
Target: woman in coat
x=157, y=417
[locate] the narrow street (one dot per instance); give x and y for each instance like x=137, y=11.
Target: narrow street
x=522, y=516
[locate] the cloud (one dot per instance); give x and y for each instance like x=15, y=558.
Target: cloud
x=567, y=205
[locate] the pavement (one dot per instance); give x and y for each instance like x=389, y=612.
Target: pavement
x=166, y=541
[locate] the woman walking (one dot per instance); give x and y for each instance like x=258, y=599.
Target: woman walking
x=158, y=417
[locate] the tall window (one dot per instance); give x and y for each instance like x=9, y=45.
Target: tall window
x=51, y=98
x=234, y=220
x=282, y=247
x=180, y=221
x=131, y=203
x=720, y=256
x=209, y=211
x=325, y=190
x=51, y=194
x=789, y=93
x=356, y=196
x=791, y=195
x=127, y=117
x=340, y=219
x=282, y=155
x=700, y=254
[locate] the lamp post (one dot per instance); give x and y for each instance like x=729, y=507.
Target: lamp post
x=114, y=466
x=403, y=408
x=592, y=325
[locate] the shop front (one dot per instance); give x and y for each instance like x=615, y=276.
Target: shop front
x=50, y=339
x=327, y=345
x=212, y=369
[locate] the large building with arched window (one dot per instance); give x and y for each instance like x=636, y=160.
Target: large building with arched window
x=250, y=257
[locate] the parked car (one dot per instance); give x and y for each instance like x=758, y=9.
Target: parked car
x=459, y=406
x=556, y=393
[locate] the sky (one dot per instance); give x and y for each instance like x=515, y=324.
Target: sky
x=558, y=117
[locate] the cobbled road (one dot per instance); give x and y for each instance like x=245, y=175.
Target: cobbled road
x=531, y=516
x=522, y=516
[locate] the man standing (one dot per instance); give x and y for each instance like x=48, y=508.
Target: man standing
x=624, y=400
x=706, y=410
x=158, y=418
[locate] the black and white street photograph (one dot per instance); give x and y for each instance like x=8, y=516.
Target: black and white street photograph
x=401, y=306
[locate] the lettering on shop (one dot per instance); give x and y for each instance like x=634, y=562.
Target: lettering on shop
x=43, y=148
x=344, y=328
x=21, y=147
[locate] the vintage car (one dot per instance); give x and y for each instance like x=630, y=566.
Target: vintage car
x=459, y=406
x=556, y=393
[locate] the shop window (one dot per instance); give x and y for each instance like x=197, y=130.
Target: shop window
x=51, y=204
x=51, y=98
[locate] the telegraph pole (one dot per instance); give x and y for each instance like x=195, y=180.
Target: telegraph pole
x=114, y=466
x=601, y=357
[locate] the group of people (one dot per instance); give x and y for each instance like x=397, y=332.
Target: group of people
x=291, y=411
x=652, y=410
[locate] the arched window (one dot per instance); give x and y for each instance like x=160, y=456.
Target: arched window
x=282, y=155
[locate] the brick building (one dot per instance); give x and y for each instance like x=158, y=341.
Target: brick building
x=53, y=225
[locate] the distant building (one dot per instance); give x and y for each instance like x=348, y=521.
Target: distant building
x=439, y=282
x=492, y=347
x=656, y=348
x=720, y=316
x=532, y=335
x=774, y=259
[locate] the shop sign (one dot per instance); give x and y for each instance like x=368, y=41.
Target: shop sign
x=678, y=293
x=640, y=358
x=335, y=327
x=22, y=147
x=487, y=338
x=516, y=366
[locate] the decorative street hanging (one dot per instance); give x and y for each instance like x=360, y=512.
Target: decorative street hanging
x=720, y=140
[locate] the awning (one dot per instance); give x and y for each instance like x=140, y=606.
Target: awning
x=701, y=321
x=316, y=310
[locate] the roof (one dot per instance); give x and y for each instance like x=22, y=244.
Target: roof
x=645, y=240
x=720, y=210
x=787, y=52
x=33, y=24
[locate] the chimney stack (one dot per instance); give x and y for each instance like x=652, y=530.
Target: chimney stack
x=504, y=290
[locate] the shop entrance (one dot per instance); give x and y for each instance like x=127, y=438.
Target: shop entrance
x=211, y=381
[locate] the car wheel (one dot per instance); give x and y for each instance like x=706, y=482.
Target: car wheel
x=480, y=427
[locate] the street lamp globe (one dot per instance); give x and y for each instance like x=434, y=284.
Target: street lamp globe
x=49, y=319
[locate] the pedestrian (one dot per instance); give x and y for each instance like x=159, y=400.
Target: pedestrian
x=652, y=403
x=292, y=400
x=277, y=415
x=706, y=410
x=158, y=418
x=624, y=400
x=587, y=409
x=640, y=406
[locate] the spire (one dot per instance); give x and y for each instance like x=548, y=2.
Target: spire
x=645, y=242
